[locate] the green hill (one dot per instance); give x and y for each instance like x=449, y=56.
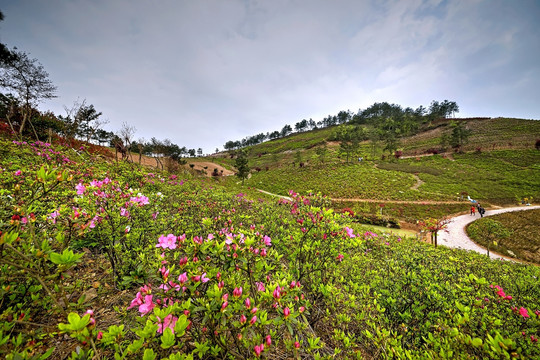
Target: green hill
x=107, y=259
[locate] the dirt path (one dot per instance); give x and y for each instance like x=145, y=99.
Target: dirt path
x=418, y=182
x=198, y=165
x=422, y=202
x=456, y=237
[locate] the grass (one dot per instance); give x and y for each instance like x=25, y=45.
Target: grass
x=524, y=240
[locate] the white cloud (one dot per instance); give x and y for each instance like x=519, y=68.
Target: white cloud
x=205, y=72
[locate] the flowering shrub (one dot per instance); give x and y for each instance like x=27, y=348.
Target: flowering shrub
x=188, y=269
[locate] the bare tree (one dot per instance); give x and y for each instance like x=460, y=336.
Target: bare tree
x=29, y=80
x=82, y=120
x=126, y=134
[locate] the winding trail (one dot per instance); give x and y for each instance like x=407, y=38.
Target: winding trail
x=456, y=237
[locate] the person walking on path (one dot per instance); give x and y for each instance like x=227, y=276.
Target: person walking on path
x=472, y=210
x=455, y=236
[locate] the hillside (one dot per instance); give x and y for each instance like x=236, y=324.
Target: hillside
x=105, y=259
x=498, y=166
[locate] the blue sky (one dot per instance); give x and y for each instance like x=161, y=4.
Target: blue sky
x=201, y=73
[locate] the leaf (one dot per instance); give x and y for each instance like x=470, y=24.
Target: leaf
x=46, y=354
x=168, y=339
x=476, y=342
x=135, y=346
x=149, y=354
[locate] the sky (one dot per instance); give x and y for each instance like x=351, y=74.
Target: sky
x=203, y=72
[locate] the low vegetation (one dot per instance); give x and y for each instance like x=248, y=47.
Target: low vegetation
x=516, y=234
x=105, y=259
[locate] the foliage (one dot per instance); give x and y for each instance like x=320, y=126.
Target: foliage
x=241, y=165
x=28, y=79
x=460, y=134
x=208, y=272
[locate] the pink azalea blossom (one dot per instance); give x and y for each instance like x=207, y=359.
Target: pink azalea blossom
x=167, y=242
x=349, y=232
x=224, y=305
x=523, y=312
x=243, y=319
x=204, y=278
x=168, y=322
x=340, y=257
x=267, y=241
x=253, y=320
x=286, y=312
x=18, y=173
x=277, y=292
x=138, y=300
x=164, y=272
x=258, y=350
x=237, y=292
x=268, y=340
x=183, y=278
x=248, y=303
x=260, y=286
x=147, y=306
x=80, y=189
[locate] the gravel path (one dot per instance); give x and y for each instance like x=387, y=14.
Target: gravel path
x=455, y=236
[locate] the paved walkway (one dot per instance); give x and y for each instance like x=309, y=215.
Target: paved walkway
x=455, y=236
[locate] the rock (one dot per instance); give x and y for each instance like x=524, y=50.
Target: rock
x=90, y=295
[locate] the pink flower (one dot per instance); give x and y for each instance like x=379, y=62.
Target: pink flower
x=243, y=319
x=147, y=306
x=164, y=272
x=286, y=312
x=204, y=279
x=258, y=350
x=237, y=292
x=248, y=303
x=267, y=240
x=268, y=340
x=80, y=189
x=297, y=344
x=349, y=232
x=340, y=257
x=254, y=310
x=253, y=320
x=167, y=242
x=224, y=305
x=141, y=200
x=263, y=252
x=18, y=173
x=168, y=322
x=100, y=335
x=277, y=292
x=183, y=278
x=523, y=312
x=260, y=286
x=501, y=293
x=301, y=309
